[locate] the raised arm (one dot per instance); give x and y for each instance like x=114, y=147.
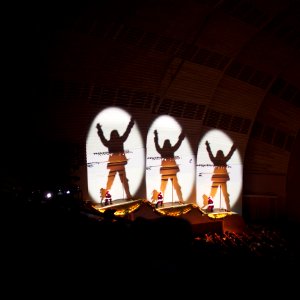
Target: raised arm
x=127, y=131
x=180, y=139
x=230, y=153
x=212, y=158
x=101, y=135
x=158, y=148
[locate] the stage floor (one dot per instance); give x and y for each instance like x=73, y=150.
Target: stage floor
x=201, y=220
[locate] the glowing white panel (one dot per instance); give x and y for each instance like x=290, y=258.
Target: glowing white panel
x=168, y=129
x=209, y=175
x=99, y=157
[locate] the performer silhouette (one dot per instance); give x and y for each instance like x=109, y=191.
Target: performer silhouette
x=157, y=198
x=220, y=175
x=117, y=158
x=169, y=168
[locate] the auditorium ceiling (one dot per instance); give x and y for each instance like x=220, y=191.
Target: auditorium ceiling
x=231, y=65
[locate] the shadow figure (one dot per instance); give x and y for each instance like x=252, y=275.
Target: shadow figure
x=117, y=158
x=169, y=167
x=220, y=175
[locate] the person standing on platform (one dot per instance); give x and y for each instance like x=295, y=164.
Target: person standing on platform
x=210, y=206
x=117, y=159
x=169, y=167
x=220, y=175
x=160, y=199
x=108, y=199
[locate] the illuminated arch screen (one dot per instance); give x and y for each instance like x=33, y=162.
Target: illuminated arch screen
x=118, y=161
x=170, y=170
x=115, y=162
x=219, y=172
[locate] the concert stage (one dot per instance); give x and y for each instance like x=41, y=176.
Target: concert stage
x=219, y=221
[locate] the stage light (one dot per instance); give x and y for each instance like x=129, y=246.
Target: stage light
x=218, y=215
x=126, y=163
x=211, y=179
x=48, y=195
x=180, y=183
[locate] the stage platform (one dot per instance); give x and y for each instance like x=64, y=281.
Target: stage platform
x=202, y=221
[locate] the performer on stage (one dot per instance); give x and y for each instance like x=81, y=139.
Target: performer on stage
x=169, y=168
x=157, y=198
x=220, y=175
x=160, y=199
x=108, y=199
x=210, y=206
x=154, y=196
x=117, y=158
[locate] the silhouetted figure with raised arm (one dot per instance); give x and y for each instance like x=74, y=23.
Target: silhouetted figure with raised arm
x=169, y=167
x=220, y=175
x=117, y=158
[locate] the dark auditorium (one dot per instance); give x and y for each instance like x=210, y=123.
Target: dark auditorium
x=152, y=145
